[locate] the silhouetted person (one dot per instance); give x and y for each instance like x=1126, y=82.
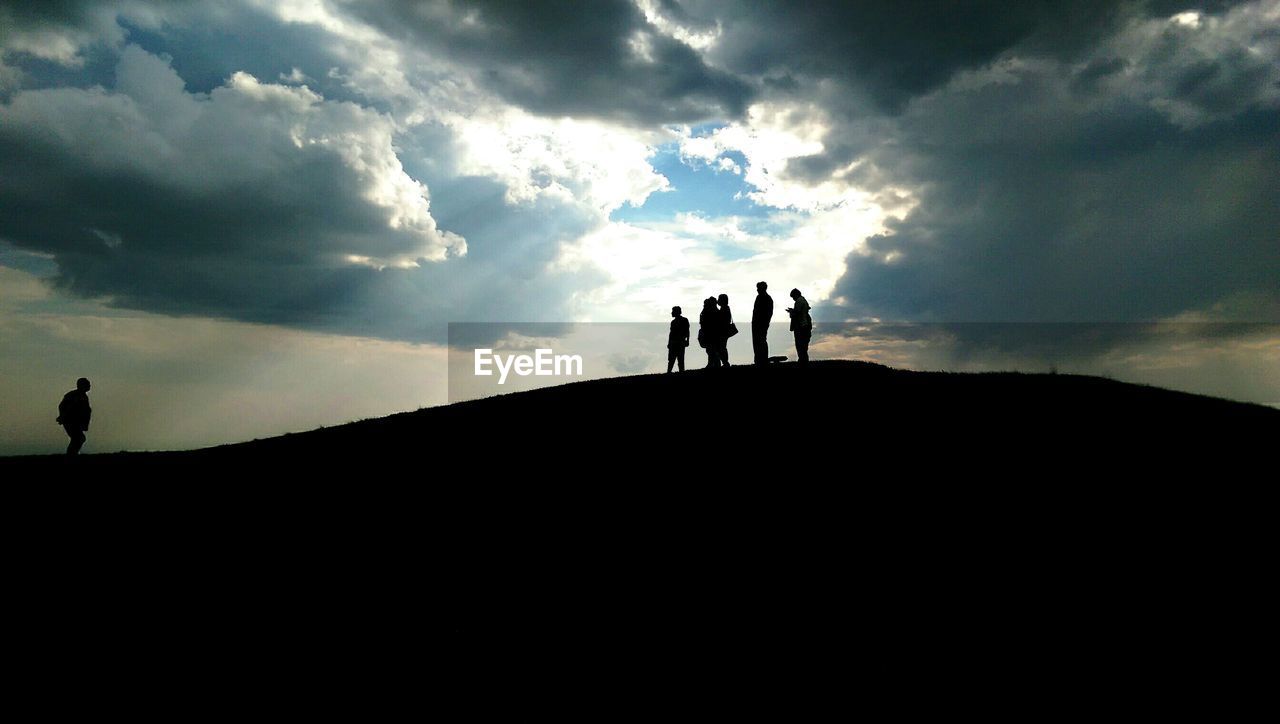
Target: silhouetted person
x=801, y=325
x=727, y=329
x=74, y=413
x=709, y=331
x=677, y=339
x=760, y=316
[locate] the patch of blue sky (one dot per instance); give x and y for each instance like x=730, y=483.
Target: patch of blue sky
x=206, y=56
x=706, y=129
x=97, y=68
x=696, y=187
x=775, y=226
x=778, y=223
x=41, y=265
x=729, y=251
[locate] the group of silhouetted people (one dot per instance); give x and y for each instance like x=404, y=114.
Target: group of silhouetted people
x=716, y=326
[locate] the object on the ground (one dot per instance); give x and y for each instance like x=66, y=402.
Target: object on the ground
x=778, y=358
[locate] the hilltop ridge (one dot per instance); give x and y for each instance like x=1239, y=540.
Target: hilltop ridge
x=766, y=414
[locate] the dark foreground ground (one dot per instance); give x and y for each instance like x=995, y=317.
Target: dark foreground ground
x=774, y=537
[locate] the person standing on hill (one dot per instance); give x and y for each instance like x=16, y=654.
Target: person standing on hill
x=709, y=331
x=727, y=328
x=677, y=339
x=801, y=325
x=74, y=413
x=761, y=314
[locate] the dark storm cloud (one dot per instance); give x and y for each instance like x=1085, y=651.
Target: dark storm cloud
x=251, y=202
x=1118, y=224
x=60, y=30
x=861, y=61
x=209, y=192
x=205, y=43
x=22, y=16
x=1134, y=190
x=596, y=59
x=56, y=34
x=887, y=52
x=1165, y=8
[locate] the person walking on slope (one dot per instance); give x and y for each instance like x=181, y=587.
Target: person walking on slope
x=801, y=325
x=74, y=413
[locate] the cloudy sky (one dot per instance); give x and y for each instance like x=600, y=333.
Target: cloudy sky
x=243, y=217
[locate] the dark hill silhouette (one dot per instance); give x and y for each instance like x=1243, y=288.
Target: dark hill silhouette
x=910, y=529
x=754, y=421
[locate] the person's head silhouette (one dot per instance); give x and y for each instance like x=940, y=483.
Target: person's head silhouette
x=709, y=304
x=675, y=311
x=82, y=384
x=761, y=286
x=795, y=293
x=724, y=300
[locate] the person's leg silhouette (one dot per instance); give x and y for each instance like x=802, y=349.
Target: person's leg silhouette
x=760, y=342
x=77, y=439
x=802, y=345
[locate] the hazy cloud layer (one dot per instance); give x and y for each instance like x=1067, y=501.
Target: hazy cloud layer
x=165, y=383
